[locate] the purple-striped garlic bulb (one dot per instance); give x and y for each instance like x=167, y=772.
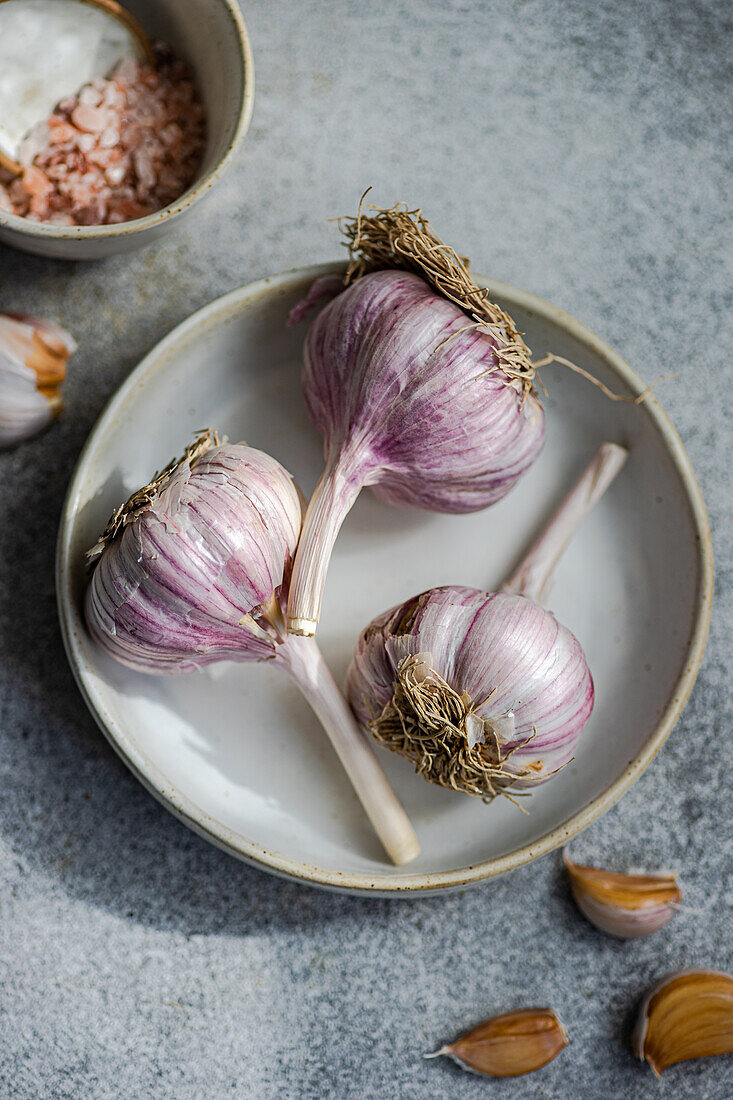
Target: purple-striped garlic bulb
x=483, y=691
x=194, y=569
x=33, y=356
x=479, y=690
x=421, y=387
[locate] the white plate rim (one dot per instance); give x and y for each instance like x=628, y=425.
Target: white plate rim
x=384, y=883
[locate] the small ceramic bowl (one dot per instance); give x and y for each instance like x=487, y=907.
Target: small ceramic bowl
x=212, y=37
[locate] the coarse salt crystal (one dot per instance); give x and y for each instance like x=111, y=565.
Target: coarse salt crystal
x=121, y=149
x=36, y=182
x=109, y=138
x=144, y=167
x=61, y=132
x=90, y=96
x=115, y=173
x=91, y=119
x=18, y=193
x=112, y=96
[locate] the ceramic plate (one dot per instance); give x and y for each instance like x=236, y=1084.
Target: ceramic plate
x=238, y=756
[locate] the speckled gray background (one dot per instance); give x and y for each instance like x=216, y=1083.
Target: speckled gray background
x=572, y=149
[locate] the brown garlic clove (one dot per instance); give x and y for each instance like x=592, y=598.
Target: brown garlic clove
x=627, y=906
x=509, y=1045
x=688, y=1014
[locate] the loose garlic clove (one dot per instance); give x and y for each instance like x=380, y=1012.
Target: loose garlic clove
x=33, y=356
x=509, y=1045
x=627, y=906
x=688, y=1014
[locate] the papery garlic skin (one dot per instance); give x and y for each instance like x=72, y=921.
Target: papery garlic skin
x=178, y=589
x=410, y=398
x=24, y=410
x=33, y=355
x=687, y=1014
x=625, y=906
x=525, y=673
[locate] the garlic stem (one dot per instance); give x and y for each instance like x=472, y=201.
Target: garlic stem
x=332, y=499
x=305, y=665
x=533, y=573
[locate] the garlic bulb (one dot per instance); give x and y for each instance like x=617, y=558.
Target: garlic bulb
x=482, y=691
x=33, y=356
x=478, y=690
x=194, y=569
x=687, y=1014
x=184, y=564
x=627, y=906
x=421, y=388
x=509, y=1045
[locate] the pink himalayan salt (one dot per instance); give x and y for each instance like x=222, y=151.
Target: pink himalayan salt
x=119, y=150
x=91, y=119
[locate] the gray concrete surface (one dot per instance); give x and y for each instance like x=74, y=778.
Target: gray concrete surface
x=576, y=150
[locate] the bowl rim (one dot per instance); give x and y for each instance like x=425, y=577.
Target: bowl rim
x=379, y=883
x=125, y=229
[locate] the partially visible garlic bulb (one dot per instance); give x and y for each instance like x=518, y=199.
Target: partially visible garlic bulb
x=194, y=569
x=421, y=387
x=33, y=356
x=687, y=1014
x=482, y=691
x=626, y=906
